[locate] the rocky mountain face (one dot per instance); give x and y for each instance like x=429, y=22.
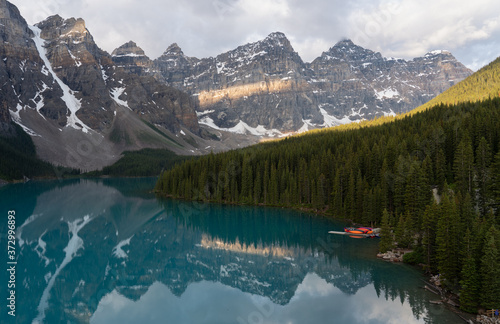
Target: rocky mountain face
x=81, y=108
x=132, y=58
x=357, y=83
x=260, y=84
x=91, y=73
x=265, y=85
x=20, y=66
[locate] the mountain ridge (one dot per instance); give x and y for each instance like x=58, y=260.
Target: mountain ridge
x=81, y=109
x=239, y=90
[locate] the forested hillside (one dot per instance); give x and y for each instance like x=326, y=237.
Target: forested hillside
x=482, y=85
x=390, y=170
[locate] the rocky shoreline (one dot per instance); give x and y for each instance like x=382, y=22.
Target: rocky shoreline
x=483, y=319
x=395, y=255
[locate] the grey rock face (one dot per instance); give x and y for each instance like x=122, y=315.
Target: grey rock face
x=267, y=83
x=101, y=83
x=132, y=58
x=262, y=83
x=25, y=82
x=360, y=83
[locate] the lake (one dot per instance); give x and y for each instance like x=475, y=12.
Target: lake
x=109, y=251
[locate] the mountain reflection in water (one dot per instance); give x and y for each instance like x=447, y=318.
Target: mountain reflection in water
x=107, y=251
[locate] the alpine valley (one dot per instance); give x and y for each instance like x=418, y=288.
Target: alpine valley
x=83, y=107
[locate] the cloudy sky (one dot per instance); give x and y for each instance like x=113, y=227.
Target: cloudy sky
x=202, y=28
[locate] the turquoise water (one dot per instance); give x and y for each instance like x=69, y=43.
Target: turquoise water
x=109, y=251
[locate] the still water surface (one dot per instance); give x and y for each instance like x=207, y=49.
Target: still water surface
x=108, y=251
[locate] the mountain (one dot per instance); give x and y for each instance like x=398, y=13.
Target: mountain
x=266, y=88
x=260, y=84
x=22, y=63
x=80, y=108
x=359, y=83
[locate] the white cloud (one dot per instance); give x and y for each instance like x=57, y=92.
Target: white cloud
x=420, y=26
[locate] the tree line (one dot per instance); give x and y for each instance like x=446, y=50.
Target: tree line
x=143, y=163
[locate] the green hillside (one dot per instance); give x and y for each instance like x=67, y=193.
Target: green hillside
x=481, y=85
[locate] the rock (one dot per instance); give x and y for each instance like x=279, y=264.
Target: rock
x=391, y=256
x=267, y=83
x=24, y=82
x=259, y=84
x=77, y=60
x=487, y=320
x=132, y=58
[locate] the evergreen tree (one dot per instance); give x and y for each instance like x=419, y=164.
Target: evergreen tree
x=400, y=184
x=490, y=271
x=447, y=250
x=417, y=194
x=464, y=165
x=469, y=293
x=273, y=186
x=495, y=181
x=337, y=206
x=483, y=158
x=247, y=181
x=386, y=238
x=257, y=188
x=429, y=225
x=350, y=201
x=440, y=170
x=402, y=234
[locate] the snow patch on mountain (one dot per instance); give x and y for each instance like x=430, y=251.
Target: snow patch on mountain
x=388, y=93
x=330, y=121
x=77, y=61
x=16, y=117
x=243, y=128
x=437, y=52
x=203, y=113
x=306, y=127
x=129, y=55
x=72, y=103
x=116, y=93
